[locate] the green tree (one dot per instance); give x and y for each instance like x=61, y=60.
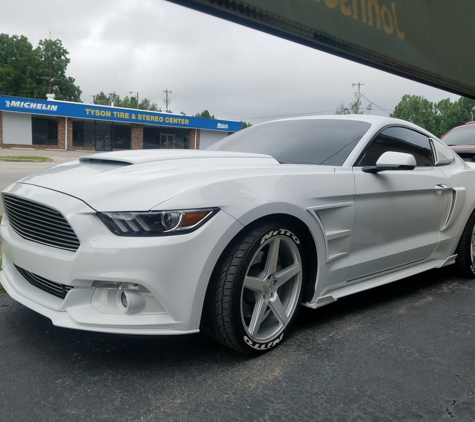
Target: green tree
x=466, y=110
x=145, y=104
x=205, y=115
x=20, y=68
x=55, y=60
x=101, y=99
x=126, y=102
x=342, y=109
x=33, y=72
x=445, y=116
x=418, y=110
x=244, y=125
x=437, y=118
x=353, y=108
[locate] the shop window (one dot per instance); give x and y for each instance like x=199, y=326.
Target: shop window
x=97, y=134
x=83, y=133
x=151, y=137
x=182, y=138
x=44, y=130
x=166, y=138
x=121, y=135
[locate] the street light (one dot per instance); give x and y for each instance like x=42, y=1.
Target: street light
x=135, y=92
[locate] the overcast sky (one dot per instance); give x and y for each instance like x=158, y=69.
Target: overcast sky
x=149, y=46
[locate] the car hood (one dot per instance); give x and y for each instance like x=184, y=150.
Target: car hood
x=141, y=180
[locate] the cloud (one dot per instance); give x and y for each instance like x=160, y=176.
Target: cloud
x=148, y=46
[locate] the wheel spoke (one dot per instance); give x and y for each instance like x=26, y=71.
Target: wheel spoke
x=286, y=274
x=254, y=284
x=276, y=307
x=272, y=257
x=258, y=315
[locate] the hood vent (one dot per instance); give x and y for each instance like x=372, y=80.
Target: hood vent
x=101, y=161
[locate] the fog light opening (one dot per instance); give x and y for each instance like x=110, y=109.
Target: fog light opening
x=130, y=302
x=123, y=299
x=119, y=285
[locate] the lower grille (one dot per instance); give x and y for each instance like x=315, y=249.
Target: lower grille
x=48, y=286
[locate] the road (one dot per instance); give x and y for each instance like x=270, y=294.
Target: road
x=402, y=352
x=13, y=171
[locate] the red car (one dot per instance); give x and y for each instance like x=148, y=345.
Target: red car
x=462, y=140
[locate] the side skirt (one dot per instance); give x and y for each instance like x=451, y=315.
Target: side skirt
x=377, y=281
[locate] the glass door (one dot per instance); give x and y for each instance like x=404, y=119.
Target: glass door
x=166, y=140
x=103, y=138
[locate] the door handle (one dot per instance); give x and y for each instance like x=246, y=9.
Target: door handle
x=441, y=187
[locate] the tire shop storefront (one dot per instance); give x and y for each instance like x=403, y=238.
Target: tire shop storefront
x=46, y=124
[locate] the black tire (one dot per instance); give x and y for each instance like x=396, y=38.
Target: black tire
x=465, y=262
x=256, y=289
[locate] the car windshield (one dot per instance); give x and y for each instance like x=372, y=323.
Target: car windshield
x=312, y=141
x=460, y=136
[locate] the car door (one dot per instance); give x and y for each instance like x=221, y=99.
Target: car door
x=398, y=213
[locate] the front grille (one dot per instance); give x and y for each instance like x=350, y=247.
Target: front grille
x=39, y=223
x=48, y=286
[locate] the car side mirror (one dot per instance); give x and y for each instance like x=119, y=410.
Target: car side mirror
x=392, y=161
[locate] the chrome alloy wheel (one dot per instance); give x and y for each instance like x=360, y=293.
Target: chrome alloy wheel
x=271, y=288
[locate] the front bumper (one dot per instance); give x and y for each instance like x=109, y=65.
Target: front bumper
x=175, y=269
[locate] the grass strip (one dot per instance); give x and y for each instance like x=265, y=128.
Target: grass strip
x=25, y=158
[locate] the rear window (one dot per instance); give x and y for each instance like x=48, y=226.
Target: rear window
x=460, y=136
x=312, y=141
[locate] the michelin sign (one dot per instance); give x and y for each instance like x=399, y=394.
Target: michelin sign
x=88, y=111
x=30, y=105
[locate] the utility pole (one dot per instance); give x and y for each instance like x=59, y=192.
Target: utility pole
x=167, y=101
x=359, y=85
x=358, y=95
x=135, y=92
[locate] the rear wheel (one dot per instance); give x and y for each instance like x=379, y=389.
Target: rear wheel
x=257, y=289
x=465, y=263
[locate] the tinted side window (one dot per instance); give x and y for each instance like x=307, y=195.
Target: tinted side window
x=398, y=139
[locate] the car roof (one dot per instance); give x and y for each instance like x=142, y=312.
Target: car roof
x=379, y=121
x=466, y=125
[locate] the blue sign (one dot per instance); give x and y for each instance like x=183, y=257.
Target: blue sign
x=126, y=115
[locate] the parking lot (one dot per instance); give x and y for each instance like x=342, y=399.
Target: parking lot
x=405, y=351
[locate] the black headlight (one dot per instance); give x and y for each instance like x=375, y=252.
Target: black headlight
x=155, y=223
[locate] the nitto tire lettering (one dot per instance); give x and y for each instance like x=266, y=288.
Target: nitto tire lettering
x=282, y=232
x=263, y=346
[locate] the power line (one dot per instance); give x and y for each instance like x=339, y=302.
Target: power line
x=287, y=115
x=381, y=108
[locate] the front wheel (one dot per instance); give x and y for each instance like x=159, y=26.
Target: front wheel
x=257, y=289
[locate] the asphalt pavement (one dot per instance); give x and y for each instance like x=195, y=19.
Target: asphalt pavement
x=402, y=352
x=11, y=171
